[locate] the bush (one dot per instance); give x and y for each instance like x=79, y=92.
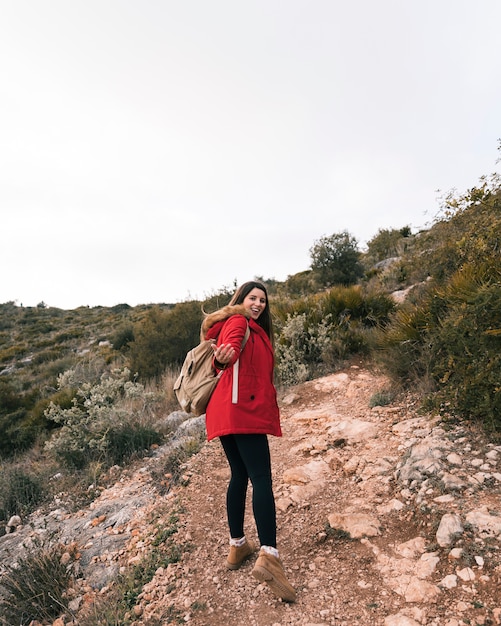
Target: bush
x=315, y=334
x=465, y=355
x=126, y=440
x=386, y=244
x=163, y=338
x=20, y=491
x=122, y=338
x=452, y=338
x=104, y=422
x=300, y=349
x=35, y=587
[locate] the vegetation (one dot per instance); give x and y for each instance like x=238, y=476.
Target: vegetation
x=35, y=588
x=336, y=260
x=82, y=391
x=105, y=422
x=446, y=336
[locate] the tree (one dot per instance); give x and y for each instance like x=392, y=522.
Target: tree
x=336, y=260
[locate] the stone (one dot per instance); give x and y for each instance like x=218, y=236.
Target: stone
x=350, y=467
x=13, y=523
x=290, y=398
x=455, y=554
x=357, y=525
x=354, y=430
x=412, y=548
x=449, y=527
x=482, y=519
x=466, y=574
x=449, y=582
x=421, y=591
x=392, y=505
x=427, y=565
x=454, y=459
x=452, y=482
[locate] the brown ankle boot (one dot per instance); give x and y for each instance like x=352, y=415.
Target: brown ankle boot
x=269, y=569
x=238, y=555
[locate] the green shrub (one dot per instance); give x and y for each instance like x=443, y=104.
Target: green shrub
x=386, y=244
x=451, y=337
x=316, y=333
x=465, y=355
x=35, y=587
x=122, y=338
x=13, y=352
x=21, y=491
x=46, y=356
x=400, y=346
x=297, y=350
x=163, y=338
x=18, y=433
x=127, y=440
x=104, y=422
x=381, y=398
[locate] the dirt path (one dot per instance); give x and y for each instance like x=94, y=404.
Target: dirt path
x=359, y=545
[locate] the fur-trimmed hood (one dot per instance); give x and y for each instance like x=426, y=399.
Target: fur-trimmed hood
x=220, y=316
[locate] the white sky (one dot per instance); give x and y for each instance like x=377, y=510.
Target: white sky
x=159, y=150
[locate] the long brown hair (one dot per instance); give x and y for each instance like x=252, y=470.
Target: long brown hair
x=264, y=320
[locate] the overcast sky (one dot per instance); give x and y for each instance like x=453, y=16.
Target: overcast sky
x=158, y=150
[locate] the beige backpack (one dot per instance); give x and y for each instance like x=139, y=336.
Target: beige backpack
x=198, y=379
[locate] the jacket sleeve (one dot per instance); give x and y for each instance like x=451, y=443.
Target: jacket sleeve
x=233, y=332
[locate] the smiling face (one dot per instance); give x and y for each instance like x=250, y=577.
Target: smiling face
x=255, y=302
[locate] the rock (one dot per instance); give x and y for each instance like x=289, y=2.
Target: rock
x=290, y=398
x=283, y=504
x=357, y=525
x=412, y=548
x=454, y=459
x=13, y=523
x=312, y=471
x=351, y=466
x=449, y=582
x=466, y=574
x=450, y=526
x=421, y=591
x=353, y=430
x=334, y=381
x=427, y=565
x=452, y=482
x=455, y=554
x=482, y=519
x=392, y=505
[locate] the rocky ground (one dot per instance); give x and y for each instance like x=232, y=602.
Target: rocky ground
x=386, y=517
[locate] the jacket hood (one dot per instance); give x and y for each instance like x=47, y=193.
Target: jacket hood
x=220, y=316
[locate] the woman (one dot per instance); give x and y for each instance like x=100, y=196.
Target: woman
x=242, y=411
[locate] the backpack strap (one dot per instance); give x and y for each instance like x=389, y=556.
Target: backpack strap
x=246, y=336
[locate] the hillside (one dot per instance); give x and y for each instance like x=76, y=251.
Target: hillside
x=386, y=517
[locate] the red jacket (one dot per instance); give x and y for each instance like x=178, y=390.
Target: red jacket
x=245, y=398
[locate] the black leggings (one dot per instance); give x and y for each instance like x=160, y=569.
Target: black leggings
x=249, y=458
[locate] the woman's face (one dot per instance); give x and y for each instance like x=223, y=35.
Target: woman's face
x=255, y=302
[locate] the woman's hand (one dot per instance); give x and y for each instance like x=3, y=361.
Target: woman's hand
x=223, y=353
